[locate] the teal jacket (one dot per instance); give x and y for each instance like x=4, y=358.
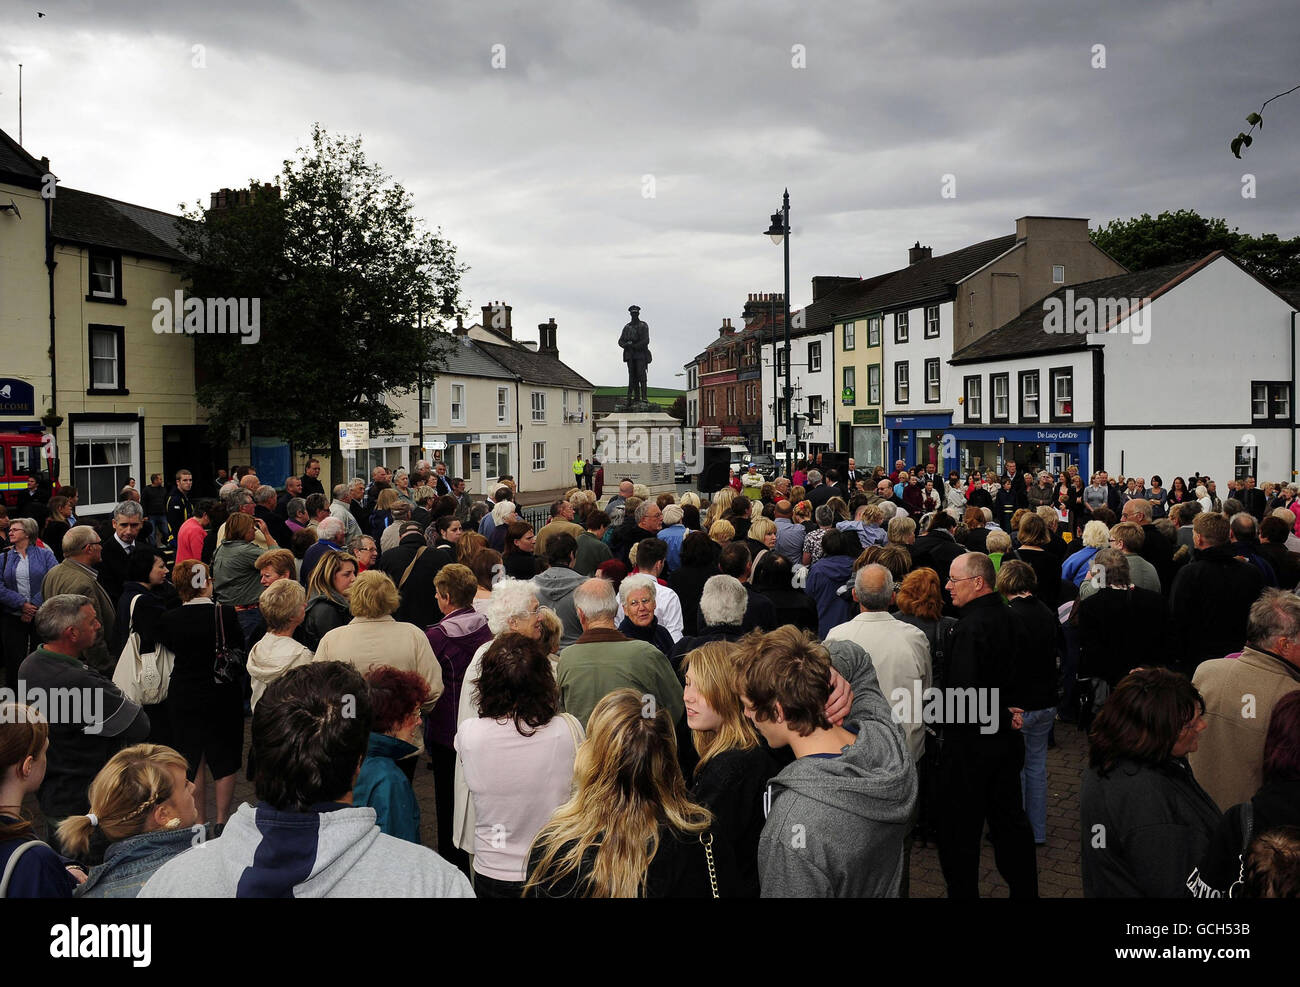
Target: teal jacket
x=383, y=787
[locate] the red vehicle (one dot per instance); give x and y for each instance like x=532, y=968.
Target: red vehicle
x=20, y=458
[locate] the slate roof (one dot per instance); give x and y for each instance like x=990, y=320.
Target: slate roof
x=1025, y=336
x=535, y=368
x=93, y=220
x=17, y=167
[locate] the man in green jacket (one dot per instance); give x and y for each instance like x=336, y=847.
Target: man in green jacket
x=602, y=660
x=76, y=575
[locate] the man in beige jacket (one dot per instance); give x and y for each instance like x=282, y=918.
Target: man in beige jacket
x=75, y=574
x=1240, y=694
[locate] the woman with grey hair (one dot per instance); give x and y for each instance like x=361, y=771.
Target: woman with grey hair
x=402, y=484
x=22, y=570
x=812, y=542
x=502, y=514
x=295, y=511
x=636, y=595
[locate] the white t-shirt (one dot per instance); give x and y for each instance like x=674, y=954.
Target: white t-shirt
x=516, y=783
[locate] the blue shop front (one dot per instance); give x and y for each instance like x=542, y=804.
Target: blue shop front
x=1051, y=447
x=919, y=439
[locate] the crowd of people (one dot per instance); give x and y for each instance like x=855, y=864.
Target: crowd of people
x=774, y=689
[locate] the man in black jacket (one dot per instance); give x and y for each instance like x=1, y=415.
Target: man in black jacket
x=1156, y=548
x=645, y=523
x=292, y=489
x=311, y=480
x=264, y=508
x=1120, y=625
x=979, y=771
x=419, y=604
x=1212, y=596
x=1252, y=500
x=936, y=550
x=179, y=507
x=1272, y=548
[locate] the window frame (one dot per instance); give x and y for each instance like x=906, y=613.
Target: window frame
x=1005, y=378
x=933, y=364
x=457, y=419
x=1055, y=279
x=1053, y=375
x=815, y=349
x=902, y=382
x=905, y=326
x=1025, y=375
x=503, y=406
x=934, y=322
x=115, y=258
x=873, y=330
x=815, y=409
x=538, y=408
x=974, y=397
x=873, y=388
x=118, y=334
x=431, y=405
x=850, y=335
x=1273, y=390
x=539, y=444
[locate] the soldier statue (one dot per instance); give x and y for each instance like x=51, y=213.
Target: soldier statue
x=635, y=341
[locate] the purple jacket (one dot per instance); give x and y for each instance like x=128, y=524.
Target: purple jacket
x=454, y=639
x=40, y=560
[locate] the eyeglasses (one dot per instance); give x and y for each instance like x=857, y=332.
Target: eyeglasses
x=958, y=579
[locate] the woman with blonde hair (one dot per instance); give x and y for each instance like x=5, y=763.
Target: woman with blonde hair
x=35, y=869
x=1096, y=536
x=718, y=506
x=143, y=803
x=690, y=499
x=382, y=516
x=327, y=596
x=284, y=607
x=469, y=545
x=722, y=531
x=734, y=767
x=631, y=829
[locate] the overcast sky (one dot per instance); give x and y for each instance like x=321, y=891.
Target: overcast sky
x=535, y=170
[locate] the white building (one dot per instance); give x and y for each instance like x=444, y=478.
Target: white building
x=1188, y=368
x=812, y=362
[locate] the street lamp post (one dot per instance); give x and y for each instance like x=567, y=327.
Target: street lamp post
x=779, y=231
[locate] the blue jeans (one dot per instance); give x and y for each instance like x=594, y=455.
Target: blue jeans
x=1033, y=777
x=161, y=533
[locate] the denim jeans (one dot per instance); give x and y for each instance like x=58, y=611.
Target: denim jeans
x=1033, y=777
x=161, y=533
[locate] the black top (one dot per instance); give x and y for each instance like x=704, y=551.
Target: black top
x=985, y=643
x=1035, y=675
x=1276, y=804
x=153, y=500
x=1047, y=569
x=653, y=633
x=1120, y=629
x=311, y=485
x=1210, y=602
x=521, y=565
x=148, y=612
x=793, y=607
x=112, y=567
x=679, y=869
x=731, y=786
x=419, y=604
x=688, y=583
x=190, y=632
x=760, y=612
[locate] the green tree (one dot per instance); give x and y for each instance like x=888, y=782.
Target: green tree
x=1179, y=237
x=344, y=274
x=678, y=409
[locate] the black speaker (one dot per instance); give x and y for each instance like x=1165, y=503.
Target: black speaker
x=837, y=461
x=716, y=470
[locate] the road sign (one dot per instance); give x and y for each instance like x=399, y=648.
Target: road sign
x=354, y=435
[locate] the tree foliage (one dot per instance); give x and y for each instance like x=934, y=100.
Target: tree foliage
x=1142, y=243
x=1256, y=119
x=342, y=269
x=678, y=409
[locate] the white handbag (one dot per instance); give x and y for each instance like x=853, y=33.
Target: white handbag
x=143, y=676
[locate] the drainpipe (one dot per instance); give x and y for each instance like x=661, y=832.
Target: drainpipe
x=1293, y=315
x=49, y=268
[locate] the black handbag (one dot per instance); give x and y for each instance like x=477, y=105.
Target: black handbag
x=228, y=661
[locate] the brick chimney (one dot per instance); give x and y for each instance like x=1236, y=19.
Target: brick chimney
x=726, y=329
x=460, y=329
x=546, y=339
x=227, y=199
x=771, y=304
x=916, y=252
x=824, y=284
x=497, y=316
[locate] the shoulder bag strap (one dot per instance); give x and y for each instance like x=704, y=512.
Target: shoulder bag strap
x=221, y=630
x=402, y=582
x=130, y=615
x=12, y=864
x=708, y=855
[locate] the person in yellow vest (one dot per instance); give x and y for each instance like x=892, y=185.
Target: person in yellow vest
x=579, y=467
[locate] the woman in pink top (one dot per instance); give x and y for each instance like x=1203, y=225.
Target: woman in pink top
x=518, y=760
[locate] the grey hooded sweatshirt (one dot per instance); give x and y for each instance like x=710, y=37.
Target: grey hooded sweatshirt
x=336, y=852
x=555, y=589
x=835, y=826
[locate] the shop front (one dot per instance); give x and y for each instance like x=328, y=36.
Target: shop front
x=919, y=439
x=1051, y=448
x=863, y=439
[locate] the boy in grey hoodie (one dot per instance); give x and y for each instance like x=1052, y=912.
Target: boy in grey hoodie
x=836, y=816
x=305, y=839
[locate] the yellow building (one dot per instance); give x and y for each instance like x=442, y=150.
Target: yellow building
x=79, y=275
